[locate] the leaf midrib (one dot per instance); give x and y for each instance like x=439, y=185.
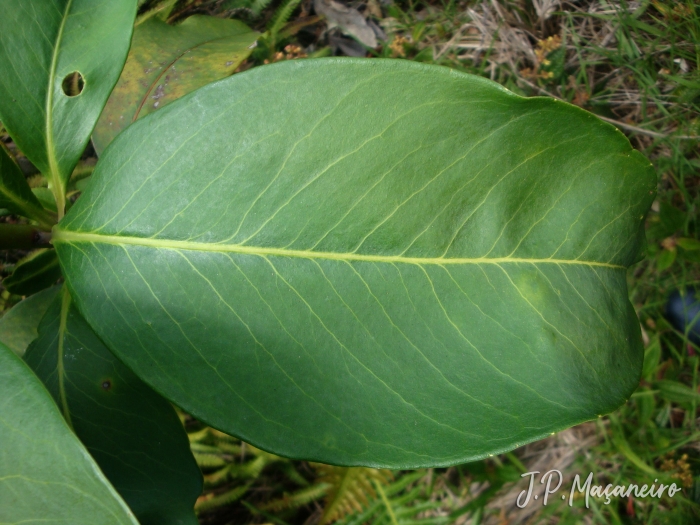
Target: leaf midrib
x=121, y=240
x=54, y=174
x=65, y=306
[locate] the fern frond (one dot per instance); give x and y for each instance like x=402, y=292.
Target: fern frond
x=351, y=489
x=199, y=435
x=252, y=469
x=377, y=513
x=217, y=477
x=204, y=449
x=281, y=17
x=257, y=6
x=229, y=448
x=297, y=499
x=293, y=474
x=387, y=503
x=209, y=460
x=205, y=504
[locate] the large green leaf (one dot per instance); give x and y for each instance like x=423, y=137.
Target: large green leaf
x=46, y=475
x=166, y=62
x=18, y=326
x=42, y=43
x=16, y=195
x=368, y=262
x=134, y=434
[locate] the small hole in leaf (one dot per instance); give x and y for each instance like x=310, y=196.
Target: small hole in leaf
x=73, y=84
x=106, y=384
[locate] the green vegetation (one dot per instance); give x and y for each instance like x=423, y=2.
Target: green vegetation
x=35, y=440
x=633, y=64
x=383, y=283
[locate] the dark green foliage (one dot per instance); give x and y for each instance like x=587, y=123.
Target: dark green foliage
x=636, y=65
x=133, y=433
x=39, y=450
x=34, y=273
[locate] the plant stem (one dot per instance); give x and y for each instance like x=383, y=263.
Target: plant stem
x=23, y=237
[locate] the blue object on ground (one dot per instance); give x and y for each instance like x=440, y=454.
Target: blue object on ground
x=683, y=309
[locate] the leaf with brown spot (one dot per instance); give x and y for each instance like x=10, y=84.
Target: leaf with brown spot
x=45, y=473
x=166, y=62
x=133, y=434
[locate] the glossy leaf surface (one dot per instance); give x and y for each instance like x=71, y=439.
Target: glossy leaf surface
x=42, y=43
x=134, y=434
x=45, y=473
x=34, y=273
x=16, y=195
x=368, y=262
x=166, y=62
x=19, y=325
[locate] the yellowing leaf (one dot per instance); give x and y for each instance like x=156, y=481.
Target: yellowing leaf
x=166, y=62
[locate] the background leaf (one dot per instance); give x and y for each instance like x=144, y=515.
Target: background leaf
x=690, y=245
x=166, y=62
x=45, y=197
x=665, y=258
x=44, y=470
x=378, y=263
x=42, y=43
x=652, y=355
x=15, y=193
x=18, y=326
x=37, y=271
x=133, y=434
x=677, y=392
